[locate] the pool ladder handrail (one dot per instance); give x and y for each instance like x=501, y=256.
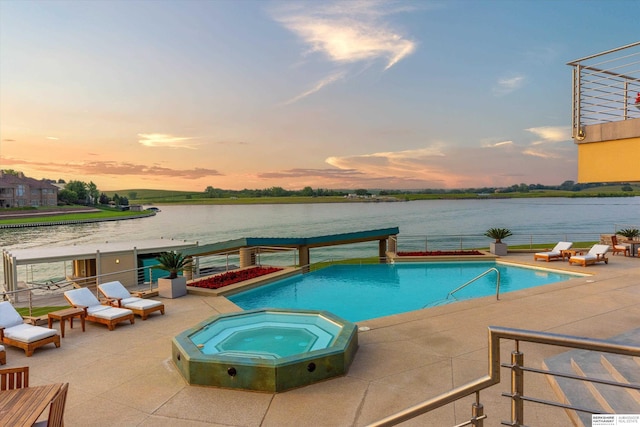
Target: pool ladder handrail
x=478, y=277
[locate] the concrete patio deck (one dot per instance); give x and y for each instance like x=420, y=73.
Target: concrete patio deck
x=126, y=377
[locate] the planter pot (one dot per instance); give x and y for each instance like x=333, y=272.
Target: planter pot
x=638, y=106
x=172, y=288
x=499, y=249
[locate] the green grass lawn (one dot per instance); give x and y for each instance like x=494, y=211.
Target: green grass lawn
x=103, y=214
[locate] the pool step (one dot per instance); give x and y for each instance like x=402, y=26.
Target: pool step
x=608, y=367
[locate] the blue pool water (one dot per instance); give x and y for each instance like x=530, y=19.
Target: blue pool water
x=363, y=292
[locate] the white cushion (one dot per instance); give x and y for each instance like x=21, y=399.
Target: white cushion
x=584, y=257
x=82, y=296
x=9, y=316
x=114, y=290
x=599, y=249
x=140, y=303
x=1, y=348
x=550, y=253
x=111, y=313
x=28, y=333
x=562, y=246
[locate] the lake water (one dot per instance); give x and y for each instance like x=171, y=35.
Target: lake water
x=421, y=223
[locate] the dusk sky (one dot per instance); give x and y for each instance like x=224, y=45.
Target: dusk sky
x=255, y=94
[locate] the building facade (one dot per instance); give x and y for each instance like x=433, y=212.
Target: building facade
x=17, y=191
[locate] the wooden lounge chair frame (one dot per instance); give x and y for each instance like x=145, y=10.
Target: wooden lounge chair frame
x=28, y=347
x=3, y=356
x=111, y=323
x=589, y=261
x=143, y=313
x=551, y=255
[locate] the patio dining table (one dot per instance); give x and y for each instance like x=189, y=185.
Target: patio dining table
x=632, y=244
x=23, y=406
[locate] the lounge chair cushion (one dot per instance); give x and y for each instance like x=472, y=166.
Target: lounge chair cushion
x=9, y=316
x=117, y=290
x=83, y=297
x=114, y=290
x=598, y=250
x=140, y=303
x=556, y=252
x=28, y=333
x=109, y=313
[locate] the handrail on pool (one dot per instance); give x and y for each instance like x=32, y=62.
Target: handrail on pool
x=478, y=277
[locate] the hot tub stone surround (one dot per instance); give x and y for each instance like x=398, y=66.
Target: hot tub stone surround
x=266, y=375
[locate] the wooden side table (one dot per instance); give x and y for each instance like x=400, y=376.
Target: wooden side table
x=568, y=253
x=67, y=313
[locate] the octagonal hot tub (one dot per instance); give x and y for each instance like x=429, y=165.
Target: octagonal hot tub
x=266, y=350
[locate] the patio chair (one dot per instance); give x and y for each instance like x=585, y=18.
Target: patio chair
x=96, y=312
x=56, y=409
x=119, y=296
x=553, y=254
x=13, y=378
x=3, y=355
x=617, y=248
x=13, y=331
x=597, y=253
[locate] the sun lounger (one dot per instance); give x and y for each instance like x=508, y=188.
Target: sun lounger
x=555, y=253
x=3, y=355
x=119, y=296
x=96, y=312
x=13, y=331
x=597, y=253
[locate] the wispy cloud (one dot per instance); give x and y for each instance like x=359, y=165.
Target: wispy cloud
x=550, y=134
x=53, y=138
x=319, y=85
x=541, y=154
x=507, y=85
x=121, y=169
x=165, y=141
x=346, y=33
x=497, y=144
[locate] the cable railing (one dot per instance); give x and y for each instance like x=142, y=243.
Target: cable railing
x=606, y=88
x=435, y=242
x=517, y=368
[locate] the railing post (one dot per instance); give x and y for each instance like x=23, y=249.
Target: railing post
x=517, y=387
x=477, y=412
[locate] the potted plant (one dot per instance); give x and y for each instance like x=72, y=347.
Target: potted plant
x=173, y=286
x=629, y=233
x=497, y=247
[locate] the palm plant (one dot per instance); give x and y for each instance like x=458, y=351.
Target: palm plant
x=498, y=234
x=629, y=233
x=173, y=262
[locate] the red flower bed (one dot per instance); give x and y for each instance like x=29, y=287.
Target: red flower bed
x=231, y=277
x=439, y=253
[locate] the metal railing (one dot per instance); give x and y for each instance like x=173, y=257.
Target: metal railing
x=517, y=369
x=479, y=276
x=433, y=242
x=605, y=88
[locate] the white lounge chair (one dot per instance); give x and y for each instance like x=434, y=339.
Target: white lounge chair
x=119, y=296
x=96, y=312
x=13, y=331
x=555, y=253
x=597, y=253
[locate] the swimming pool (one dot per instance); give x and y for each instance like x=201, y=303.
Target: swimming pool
x=360, y=292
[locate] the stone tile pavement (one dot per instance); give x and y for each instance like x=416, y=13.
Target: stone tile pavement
x=126, y=377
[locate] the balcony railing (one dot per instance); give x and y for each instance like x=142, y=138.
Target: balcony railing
x=605, y=87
